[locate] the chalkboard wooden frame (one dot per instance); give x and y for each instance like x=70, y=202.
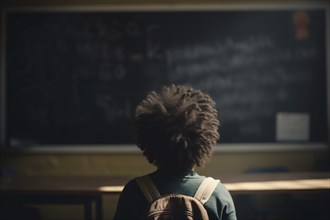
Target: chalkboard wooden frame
x=118, y=147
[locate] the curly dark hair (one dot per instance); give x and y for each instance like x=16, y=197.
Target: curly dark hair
x=177, y=127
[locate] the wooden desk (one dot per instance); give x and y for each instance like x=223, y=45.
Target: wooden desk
x=277, y=182
x=265, y=183
x=88, y=191
x=59, y=190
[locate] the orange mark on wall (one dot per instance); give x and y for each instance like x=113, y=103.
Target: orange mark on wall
x=301, y=21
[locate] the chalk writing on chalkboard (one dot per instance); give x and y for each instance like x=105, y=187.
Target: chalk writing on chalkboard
x=76, y=77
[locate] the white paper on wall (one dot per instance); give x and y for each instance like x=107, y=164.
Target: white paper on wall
x=292, y=126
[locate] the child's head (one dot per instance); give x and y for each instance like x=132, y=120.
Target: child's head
x=177, y=127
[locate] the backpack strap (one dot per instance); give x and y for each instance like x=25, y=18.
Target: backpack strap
x=206, y=189
x=148, y=188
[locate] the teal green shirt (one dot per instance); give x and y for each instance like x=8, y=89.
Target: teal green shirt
x=132, y=202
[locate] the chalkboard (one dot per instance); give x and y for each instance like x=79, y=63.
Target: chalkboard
x=75, y=77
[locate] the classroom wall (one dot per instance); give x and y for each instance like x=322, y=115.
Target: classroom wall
x=133, y=163
x=109, y=163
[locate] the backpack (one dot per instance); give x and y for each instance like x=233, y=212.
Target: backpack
x=176, y=206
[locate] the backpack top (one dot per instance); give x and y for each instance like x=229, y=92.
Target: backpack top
x=176, y=206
